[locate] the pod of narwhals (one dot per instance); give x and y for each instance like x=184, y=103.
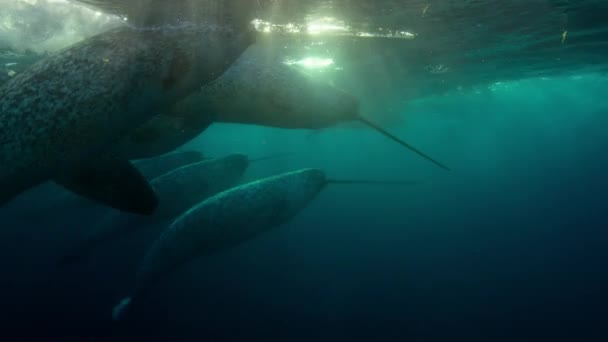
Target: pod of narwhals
x=178, y=189
x=203, y=209
x=98, y=155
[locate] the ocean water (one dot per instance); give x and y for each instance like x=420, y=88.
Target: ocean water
x=510, y=245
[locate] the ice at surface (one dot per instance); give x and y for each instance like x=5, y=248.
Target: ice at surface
x=456, y=44
x=45, y=26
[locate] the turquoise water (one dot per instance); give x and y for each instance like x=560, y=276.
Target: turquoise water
x=508, y=246
x=503, y=247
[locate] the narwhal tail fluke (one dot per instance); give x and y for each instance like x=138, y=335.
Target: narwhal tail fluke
x=272, y=156
x=370, y=182
x=122, y=309
x=402, y=143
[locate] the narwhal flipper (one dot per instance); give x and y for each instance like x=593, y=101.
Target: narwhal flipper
x=113, y=182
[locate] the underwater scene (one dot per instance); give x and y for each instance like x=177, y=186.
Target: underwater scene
x=303, y=170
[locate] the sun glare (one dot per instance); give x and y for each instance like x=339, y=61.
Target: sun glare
x=312, y=62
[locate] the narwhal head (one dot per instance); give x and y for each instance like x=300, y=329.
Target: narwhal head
x=331, y=106
x=303, y=185
x=313, y=179
x=300, y=100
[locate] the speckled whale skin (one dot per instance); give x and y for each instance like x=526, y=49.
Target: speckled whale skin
x=256, y=89
x=270, y=93
x=79, y=102
x=184, y=187
x=177, y=190
x=229, y=218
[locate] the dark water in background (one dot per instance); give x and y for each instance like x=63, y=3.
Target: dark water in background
x=510, y=245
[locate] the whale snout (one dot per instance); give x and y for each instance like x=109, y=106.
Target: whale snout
x=315, y=179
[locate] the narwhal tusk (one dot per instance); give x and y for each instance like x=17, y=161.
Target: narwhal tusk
x=401, y=142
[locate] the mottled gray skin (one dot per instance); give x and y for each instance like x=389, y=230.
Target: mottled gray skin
x=79, y=102
x=178, y=191
x=260, y=90
x=157, y=166
x=224, y=221
x=256, y=89
x=182, y=188
x=229, y=218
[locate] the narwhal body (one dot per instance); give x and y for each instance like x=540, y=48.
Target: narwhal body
x=257, y=89
x=225, y=220
x=178, y=190
x=159, y=165
x=61, y=114
x=281, y=95
x=254, y=90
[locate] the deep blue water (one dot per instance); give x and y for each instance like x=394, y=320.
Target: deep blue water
x=510, y=245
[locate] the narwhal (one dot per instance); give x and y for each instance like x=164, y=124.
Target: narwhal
x=178, y=190
x=257, y=89
x=228, y=219
x=159, y=165
x=60, y=117
x=284, y=97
